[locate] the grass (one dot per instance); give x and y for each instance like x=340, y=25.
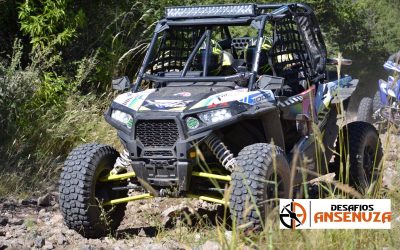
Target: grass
x=34, y=162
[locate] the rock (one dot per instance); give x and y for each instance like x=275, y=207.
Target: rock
x=211, y=245
x=42, y=212
x=56, y=196
x=39, y=242
x=142, y=233
x=48, y=246
x=174, y=211
x=87, y=247
x=30, y=243
x=3, y=246
x=228, y=236
x=27, y=202
x=2, y=233
x=155, y=246
x=57, y=219
x=16, y=221
x=61, y=240
x=3, y=221
x=44, y=200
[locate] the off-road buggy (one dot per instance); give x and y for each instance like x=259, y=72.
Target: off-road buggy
x=235, y=133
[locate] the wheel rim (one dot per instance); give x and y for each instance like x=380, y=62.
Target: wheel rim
x=102, y=189
x=368, y=159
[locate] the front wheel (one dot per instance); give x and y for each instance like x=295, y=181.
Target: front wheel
x=360, y=146
x=81, y=194
x=255, y=182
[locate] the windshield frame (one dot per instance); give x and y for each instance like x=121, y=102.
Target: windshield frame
x=258, y=22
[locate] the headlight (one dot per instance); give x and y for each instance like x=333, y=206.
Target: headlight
x=122, y=117
x=215, y=116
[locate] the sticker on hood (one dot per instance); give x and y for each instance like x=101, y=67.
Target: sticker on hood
x=166, y=104
x=183, y=94
x=133, y=100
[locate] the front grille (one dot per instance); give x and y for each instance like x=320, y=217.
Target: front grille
x=157, y=133
x=158, y=153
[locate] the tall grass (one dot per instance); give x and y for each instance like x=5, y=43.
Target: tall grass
x=42, y=117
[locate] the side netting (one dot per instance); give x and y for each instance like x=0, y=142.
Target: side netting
x=298, y=52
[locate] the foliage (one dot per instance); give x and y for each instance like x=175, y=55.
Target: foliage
x=48, y=22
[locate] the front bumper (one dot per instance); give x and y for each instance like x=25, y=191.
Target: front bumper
x=160, y=166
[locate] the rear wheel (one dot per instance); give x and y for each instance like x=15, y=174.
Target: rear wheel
x=254, y=183
x=362, y=148
x=365, y=111
x=81, y=194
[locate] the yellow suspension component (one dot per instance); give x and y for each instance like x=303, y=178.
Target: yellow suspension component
x=208, y=198
x=128, y=199
x=212, y=176
x=117, y=177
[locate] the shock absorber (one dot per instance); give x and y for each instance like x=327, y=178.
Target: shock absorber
x=122, y=163
x=221, y=152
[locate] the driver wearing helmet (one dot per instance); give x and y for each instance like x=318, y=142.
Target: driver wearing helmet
x=219, y=61
x=250, y=53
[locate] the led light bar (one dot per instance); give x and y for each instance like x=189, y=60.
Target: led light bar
x=233, y=10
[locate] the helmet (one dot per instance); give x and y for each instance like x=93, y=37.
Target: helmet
x=250, y=53
x=216, y=58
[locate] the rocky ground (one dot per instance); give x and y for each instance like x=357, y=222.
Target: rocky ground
x=30, y=223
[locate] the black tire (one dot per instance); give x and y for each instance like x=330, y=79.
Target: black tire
x=361, y=141
x=249, y=186
x=377, y=103
x=365, y=111
x=80, y=192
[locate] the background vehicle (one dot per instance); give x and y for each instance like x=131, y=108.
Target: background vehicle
x=212, y=122
x=384, y=107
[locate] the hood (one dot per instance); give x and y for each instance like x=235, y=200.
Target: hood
x=178, y=99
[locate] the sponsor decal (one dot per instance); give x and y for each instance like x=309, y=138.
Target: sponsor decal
x=256, y=97
x=219, y=98
x=192, y=123
x=335, y=214
x=240, y=95
x=166, y=104
x=184, y=94
x=133, y=100
x=290, y=101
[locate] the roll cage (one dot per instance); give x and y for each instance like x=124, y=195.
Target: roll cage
x=295, y=31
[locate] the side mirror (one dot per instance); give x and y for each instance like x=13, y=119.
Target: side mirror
x=121, y=83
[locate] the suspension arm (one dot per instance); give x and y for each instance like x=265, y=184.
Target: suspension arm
x=212, y=176
x=117, y=177
x=128, y=199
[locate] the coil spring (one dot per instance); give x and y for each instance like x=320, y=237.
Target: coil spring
x=122, y=163
x=221, y=152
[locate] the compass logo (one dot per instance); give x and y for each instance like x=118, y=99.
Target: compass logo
x=293, y=215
